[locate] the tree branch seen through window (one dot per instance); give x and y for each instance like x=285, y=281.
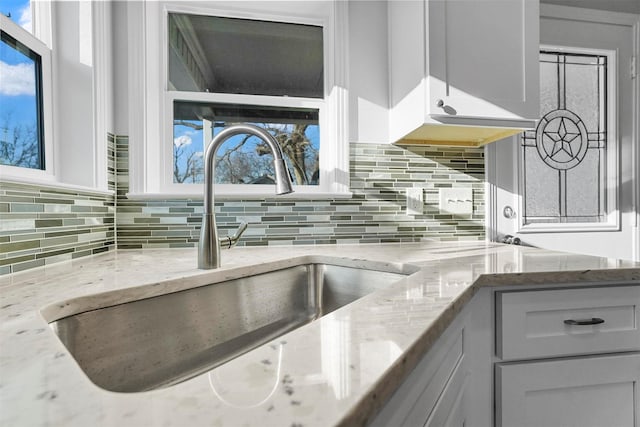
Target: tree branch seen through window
x=246, y=159
x=19, y=144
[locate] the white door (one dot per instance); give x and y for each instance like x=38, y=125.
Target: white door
x=572, y=183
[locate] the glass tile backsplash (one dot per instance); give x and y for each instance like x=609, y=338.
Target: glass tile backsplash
x=44, y=225
x=40, y=226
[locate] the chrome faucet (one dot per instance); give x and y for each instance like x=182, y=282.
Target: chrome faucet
x=209, y=244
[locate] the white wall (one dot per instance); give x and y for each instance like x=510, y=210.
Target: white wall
x=368, y=72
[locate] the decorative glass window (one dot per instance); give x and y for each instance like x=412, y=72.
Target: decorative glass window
x=219, y=55
x=568, y=162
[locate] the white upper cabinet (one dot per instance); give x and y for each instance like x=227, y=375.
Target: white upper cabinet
x=462, y=72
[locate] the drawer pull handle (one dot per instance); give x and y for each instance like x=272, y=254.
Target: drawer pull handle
x=592, y=321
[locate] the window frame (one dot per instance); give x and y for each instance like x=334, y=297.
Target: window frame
x=151, y=163
x=613, y=213
x=42, y=49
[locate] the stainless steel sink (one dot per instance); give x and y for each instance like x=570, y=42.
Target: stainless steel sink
x=162, y=340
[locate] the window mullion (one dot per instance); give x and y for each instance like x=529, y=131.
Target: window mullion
x=229, y=98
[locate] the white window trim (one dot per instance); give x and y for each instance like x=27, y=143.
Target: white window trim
x=231, y=189
x=40, y=48
x=42, y=28
x=612, y=222
x=102, y=89
x=150, y=103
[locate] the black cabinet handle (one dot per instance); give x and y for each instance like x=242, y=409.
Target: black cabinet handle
x=592, y=321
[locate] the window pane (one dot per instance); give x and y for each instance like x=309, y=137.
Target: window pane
x=242, y=159
x=582, y=203
x=21, y=139
x=582, y=93
x=564, y=158
x=19, y=11
x=548, y=87
x=242, y=56
x=541, y=189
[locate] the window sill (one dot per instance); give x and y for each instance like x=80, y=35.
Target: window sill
x=240, y=196
x=55, y=185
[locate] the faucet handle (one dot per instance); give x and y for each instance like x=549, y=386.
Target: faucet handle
x=241, y=229
x=230, y=241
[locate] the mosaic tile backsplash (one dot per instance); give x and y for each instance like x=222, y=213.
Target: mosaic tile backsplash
x=375, y=213
x=44, y=225
x=40, y=225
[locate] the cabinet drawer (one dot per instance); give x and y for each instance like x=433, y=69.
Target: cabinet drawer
x=531, y=324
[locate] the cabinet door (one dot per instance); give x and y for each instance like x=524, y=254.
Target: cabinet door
x=419, y=395
x=434, y=390
x=483, y=59
x=595, y=391
x=450, y=409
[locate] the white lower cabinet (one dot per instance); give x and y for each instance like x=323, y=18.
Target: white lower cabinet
x=529, y=357
x=582, y=392
x=434, y=393
x=568, y=357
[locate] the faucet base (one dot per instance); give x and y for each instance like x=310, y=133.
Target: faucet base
x=208, y=246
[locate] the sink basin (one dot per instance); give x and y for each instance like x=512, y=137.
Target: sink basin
x=162, y=340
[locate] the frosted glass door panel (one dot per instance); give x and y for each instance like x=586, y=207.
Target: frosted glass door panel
x=564, y=158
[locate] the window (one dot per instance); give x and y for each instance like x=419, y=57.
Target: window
x=242, y=57
x=25, y=97
x=569, y=161
x=257, y=64
x=21, y=137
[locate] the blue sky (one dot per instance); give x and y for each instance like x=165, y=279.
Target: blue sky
x=16, y=8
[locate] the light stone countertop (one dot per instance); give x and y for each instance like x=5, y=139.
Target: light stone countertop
x=338, y=370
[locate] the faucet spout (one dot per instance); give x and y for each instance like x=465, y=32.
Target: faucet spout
x=209, y=244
